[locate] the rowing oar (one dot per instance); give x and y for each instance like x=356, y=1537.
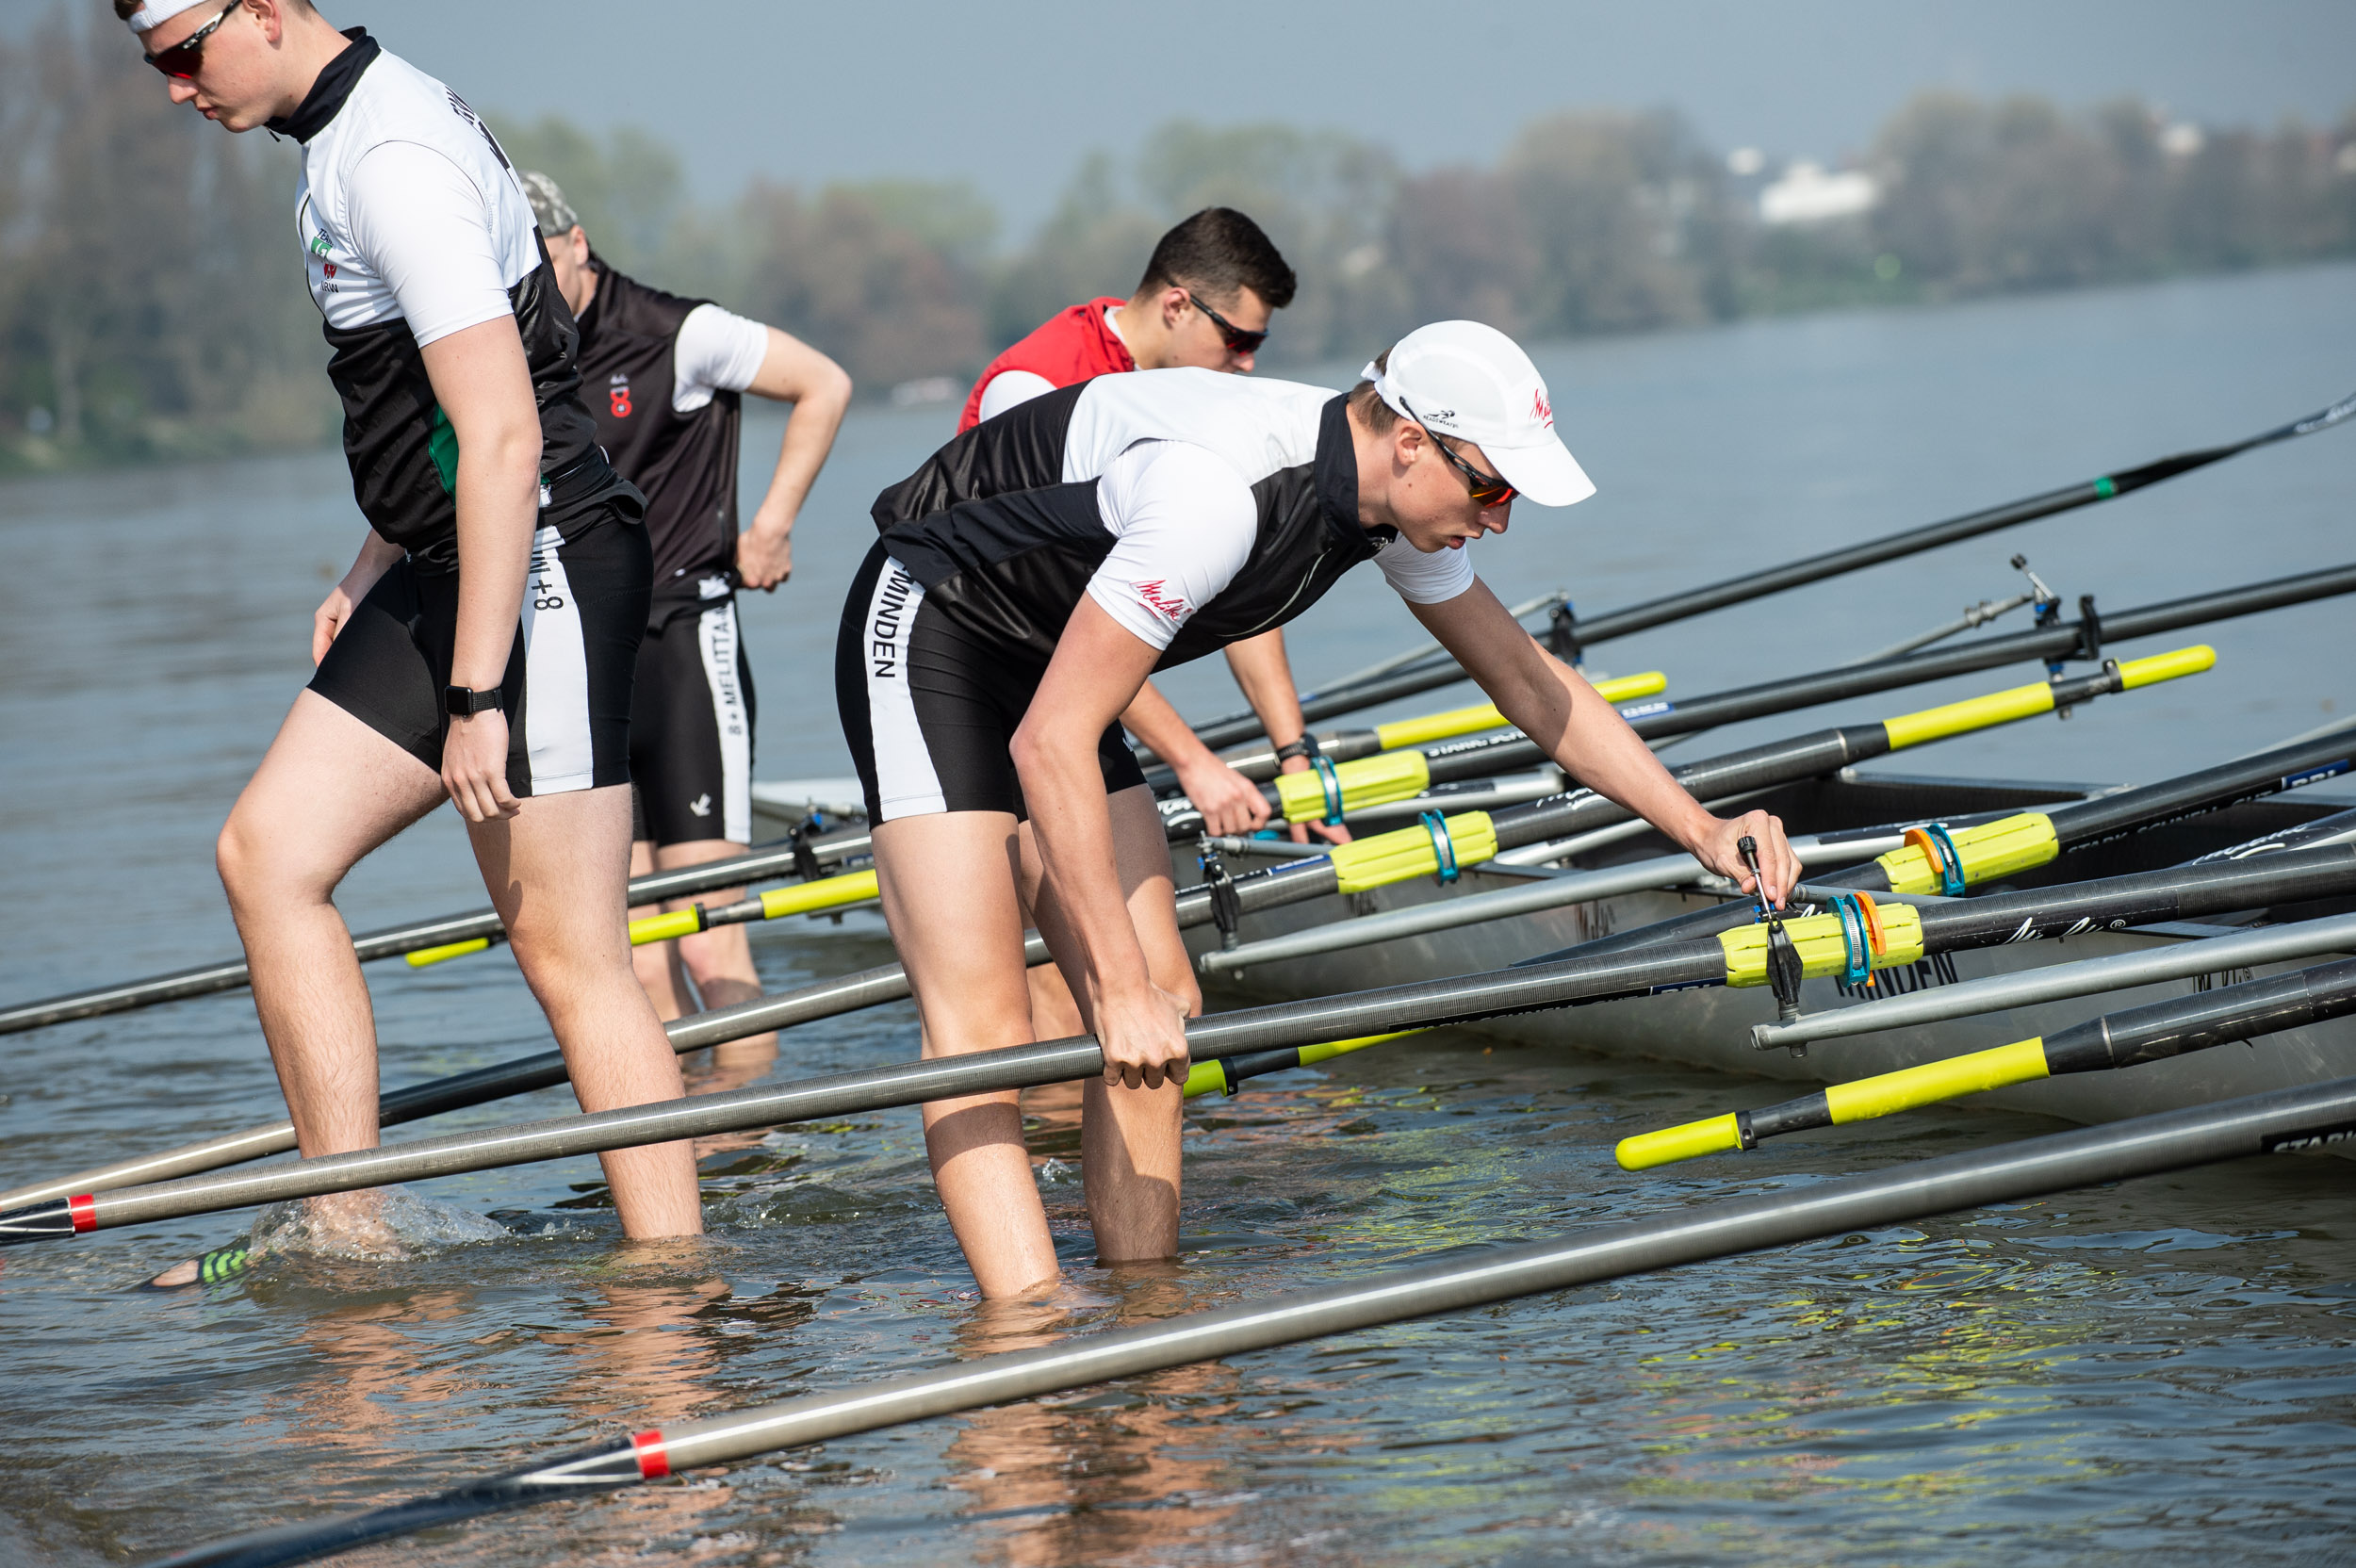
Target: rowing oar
x=1854, y=743
x=464, y=932
x=2285, y=1120
x=1371, y=862
x=2270, y=944
x=1940, y=858
x=1774, y=580
x=799, y=898
x=1727, y=707
x=1904, y=935
x=2082, y=639
x=1346, y=745
x=2155, y=1033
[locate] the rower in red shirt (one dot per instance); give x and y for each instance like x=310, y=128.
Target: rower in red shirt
x=1205, y=300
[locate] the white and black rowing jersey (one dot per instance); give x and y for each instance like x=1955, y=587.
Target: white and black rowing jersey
x=414, y=226
x=1197, y=508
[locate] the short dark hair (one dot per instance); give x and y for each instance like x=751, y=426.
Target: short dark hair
x=1368, y=404
x=1220, y=250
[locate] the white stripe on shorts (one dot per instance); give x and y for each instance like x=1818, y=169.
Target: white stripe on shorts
x=715, y=632
x=906, y=782
x=556, y=676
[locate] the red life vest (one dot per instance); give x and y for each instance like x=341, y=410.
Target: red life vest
x=1071, y=346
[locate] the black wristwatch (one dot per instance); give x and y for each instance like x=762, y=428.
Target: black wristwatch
x=459, y=701
x=1306, y=747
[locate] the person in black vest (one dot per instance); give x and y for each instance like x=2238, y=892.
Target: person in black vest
x=664, y=378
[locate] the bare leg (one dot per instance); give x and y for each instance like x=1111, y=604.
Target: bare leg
x=1129, y=1137
x=329, y=790
x=656, y=964
x=555, y=870
x=949, y=896
x=1055, y=1012
x=720, y=961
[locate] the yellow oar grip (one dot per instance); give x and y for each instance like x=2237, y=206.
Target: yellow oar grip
x=1471, y=721
x=1672, y=1144
x=1409, y=853
x=1823, y=950
x=1961, y=718
x=2165, y=666
x=663, y=927
x=2020, y=1063
x=1992, y=850
x=804, y=898
x=1368, y=781
x=425, y=956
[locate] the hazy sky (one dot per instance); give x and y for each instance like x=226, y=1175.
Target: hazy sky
x=1009, y=97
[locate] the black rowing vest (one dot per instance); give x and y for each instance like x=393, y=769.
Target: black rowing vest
x=685, y=463
x=1006, y=544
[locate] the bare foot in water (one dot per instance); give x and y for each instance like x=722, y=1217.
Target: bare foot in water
x=344, y=1224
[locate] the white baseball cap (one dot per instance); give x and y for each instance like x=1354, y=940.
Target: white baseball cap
x=1472, y=382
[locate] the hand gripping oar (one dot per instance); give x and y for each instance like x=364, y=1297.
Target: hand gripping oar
x=1736, y=959
x=1777, y=762
x=468, y=932
x=2283, y=1121
x=1774, y=580
x=1955, y=858
x=2149, y=1033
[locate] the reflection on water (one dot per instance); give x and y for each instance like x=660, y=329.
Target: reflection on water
x=2162, y=1371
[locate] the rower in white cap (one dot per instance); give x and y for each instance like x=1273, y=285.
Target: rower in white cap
x=1033, y=573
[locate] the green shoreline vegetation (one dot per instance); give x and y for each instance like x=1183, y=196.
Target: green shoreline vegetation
x=147, y=307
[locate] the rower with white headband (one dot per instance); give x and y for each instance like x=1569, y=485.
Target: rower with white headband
x=481, y=649
x=1033, y=573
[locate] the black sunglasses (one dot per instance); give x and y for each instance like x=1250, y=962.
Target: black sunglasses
x=1239, y=341
x=182, y=59
x=1487, y=489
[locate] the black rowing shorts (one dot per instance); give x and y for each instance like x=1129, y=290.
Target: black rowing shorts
x=691, y=731
x=930, y=712
x=569, y=675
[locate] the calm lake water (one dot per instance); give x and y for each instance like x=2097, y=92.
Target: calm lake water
x=2162, y=1371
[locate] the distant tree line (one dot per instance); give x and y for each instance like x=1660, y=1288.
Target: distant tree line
x=149, y=303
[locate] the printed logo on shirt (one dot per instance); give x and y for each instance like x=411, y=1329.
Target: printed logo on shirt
x=319, y=244
x=618, y=396
x=1169, y=605
x=1541, y=410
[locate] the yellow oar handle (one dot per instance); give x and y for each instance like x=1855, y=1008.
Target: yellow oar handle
x=1823, y=949
x=425, y=956
x=1471, y=721
x=1903, y=1090
x=2165, y=666
x=2024, y=702
x=2021, y=1062
x=1992, y=850
x=1368, y=781
x=804, y=898
x=1410, y=853
x=1672, y=1144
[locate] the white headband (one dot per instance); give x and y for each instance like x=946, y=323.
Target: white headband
x=156, y=12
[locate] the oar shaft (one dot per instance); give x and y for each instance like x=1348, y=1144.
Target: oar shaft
x=2120, y=972
x=1953, y=924
x=770, y=860
x=2147, y=1146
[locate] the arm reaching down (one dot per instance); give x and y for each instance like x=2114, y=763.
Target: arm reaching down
x=1555, y=707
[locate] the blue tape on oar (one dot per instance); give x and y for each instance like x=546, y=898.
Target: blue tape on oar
x=1330, y=783
x=1443, y=846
